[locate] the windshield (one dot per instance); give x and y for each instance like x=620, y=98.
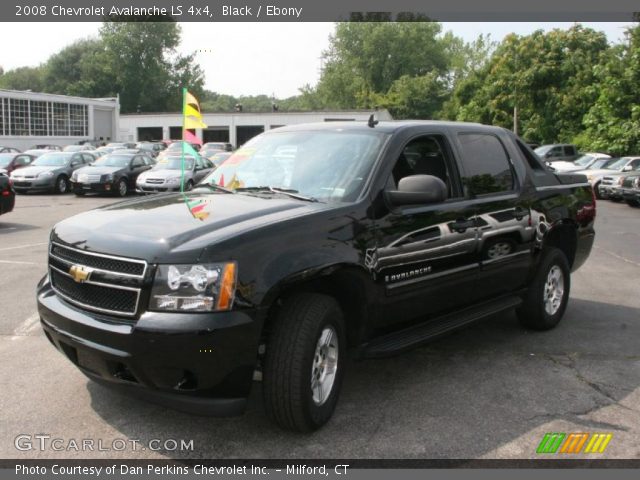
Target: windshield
x=619, y=164
x=584, y=160
x=113, y=161
x=325, y=165
x=51, y=160
x=72, y=148
x=5, y=159
x=219, y=158
x=174, y=163
x=543, y=150
x=601, y=163
x=145, y=146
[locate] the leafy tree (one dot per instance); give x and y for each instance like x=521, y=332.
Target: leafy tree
x=23, y=78
x=613, y=123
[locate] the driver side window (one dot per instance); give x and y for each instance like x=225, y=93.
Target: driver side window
x=425, y=155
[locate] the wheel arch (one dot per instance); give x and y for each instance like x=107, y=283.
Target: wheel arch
x=563, y=236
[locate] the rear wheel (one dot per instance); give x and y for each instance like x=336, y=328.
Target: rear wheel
x=548, y=294
x=79, y=193
x=304, y=362
x=62, y=184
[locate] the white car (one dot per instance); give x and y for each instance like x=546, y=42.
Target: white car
x=585, y=161
x=623, y=164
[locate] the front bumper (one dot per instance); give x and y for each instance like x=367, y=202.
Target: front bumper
x=104, y=187
x=610, y=191
x=630, y=194
x=197, y=363
x=155, y=188
x=33, y=185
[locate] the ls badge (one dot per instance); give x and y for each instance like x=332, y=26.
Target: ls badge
x=80, y=274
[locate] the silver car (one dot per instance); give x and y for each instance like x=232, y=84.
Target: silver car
x=166, y=175
x=50, y=172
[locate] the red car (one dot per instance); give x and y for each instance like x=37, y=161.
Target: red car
x=12, y=161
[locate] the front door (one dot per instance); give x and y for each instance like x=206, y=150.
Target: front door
x=426, y=259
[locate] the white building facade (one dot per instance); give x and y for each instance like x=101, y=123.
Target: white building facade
x=235, y=128
x=28, y=119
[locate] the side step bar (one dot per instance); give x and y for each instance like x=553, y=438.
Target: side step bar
x=402, y=340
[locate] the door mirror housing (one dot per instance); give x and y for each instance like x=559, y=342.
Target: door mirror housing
x=628, y=168
x=417, y=190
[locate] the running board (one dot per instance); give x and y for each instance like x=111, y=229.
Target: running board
x=402, y=340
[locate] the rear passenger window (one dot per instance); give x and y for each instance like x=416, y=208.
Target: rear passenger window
x=487, y=167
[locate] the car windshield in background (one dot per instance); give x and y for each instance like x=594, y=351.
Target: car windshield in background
x=584, y=160
x=51, y=160
x=113, y=161
x=325, y=165
x=73, y=148
x=602, y=163
x=5, y=159
x=542, y=150
x=219, y=158
x=145, y=146
x=174, y=163
x=618, y=164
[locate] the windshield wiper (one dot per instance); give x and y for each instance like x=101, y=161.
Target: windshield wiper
x=214, y=186
x=286, y=191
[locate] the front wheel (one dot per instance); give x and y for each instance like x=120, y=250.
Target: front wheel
x=123, y=188
x=62, y=184
x=304, y=362
x=596, y=191
x=546, y=300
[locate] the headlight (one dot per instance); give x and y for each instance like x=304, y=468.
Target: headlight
x=108, y=177
x=172, y=181
x=636, y=182
x=74, y=177
x=194, y=288
x=48, y=173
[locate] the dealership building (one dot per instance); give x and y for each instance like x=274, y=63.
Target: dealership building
x=29, y=118
x=235, y=128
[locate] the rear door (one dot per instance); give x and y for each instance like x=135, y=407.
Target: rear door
x=503, y=218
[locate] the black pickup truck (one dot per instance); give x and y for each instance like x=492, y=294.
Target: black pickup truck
x=309, y=242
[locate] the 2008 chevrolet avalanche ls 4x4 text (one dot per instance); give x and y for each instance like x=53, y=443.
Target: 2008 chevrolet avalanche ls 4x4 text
x=310, y=241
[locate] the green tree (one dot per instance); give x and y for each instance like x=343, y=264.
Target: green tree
x=613, y=123
x=23, y=78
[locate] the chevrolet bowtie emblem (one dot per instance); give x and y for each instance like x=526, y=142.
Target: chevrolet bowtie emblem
x=79, y=273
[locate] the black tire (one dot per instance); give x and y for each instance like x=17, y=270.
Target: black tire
x=62, y=185
x=189, y=185
x=533, y=312
x=615, y=199
x=290, y=361
x=123, y=188
x=633, y=203
x=596, y=191
x=79, y=193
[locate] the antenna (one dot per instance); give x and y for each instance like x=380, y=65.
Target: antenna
x=373, y=121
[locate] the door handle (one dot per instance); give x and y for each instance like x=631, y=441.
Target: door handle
x=461, y=225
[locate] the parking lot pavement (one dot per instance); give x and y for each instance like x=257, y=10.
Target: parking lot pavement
x=491, y=391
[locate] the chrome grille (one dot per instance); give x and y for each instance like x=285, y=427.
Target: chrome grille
x=155, y=181
x=114, y=286
x=607, y=180
x=86, y=178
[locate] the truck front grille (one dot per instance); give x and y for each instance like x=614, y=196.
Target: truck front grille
x=114, y=284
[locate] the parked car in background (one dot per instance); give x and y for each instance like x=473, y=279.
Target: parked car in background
x=594, y=176
x=175, y=148
x=115, y=173
x=121, y=145
x=611, y=185
x=166, y=175
x=50, y=172
x=219, y=158
x=7, y=194
x=13, y=161
x=47, y=146
x=38, y=152
x=151, y=148
x=557, y=152
x=585, y=161
x=211, y=148
x=631, y=190
x=78, y=148
x=8, y=150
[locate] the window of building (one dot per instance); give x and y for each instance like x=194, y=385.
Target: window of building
x=38, y=118
x=487, y=166
x=78, y=120
x=19, y=120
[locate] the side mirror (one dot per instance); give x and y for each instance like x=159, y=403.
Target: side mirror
x=628, y=168
x=418, y=190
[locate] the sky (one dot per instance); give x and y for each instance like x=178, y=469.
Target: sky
x=249, y=59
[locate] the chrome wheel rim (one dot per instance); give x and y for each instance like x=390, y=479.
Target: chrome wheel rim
x=553, y=290
x=62, y=185
x=499, y=249
x=324, y=366
x=122, y=189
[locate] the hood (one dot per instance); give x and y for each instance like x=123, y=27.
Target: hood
x=162, y=229
x=35, y=171
x=565, y=166
x=98, y=170
x=598, y=173
x=164, y=174
x=3, y=170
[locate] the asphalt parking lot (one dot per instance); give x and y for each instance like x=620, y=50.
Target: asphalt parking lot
x=491, y=391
